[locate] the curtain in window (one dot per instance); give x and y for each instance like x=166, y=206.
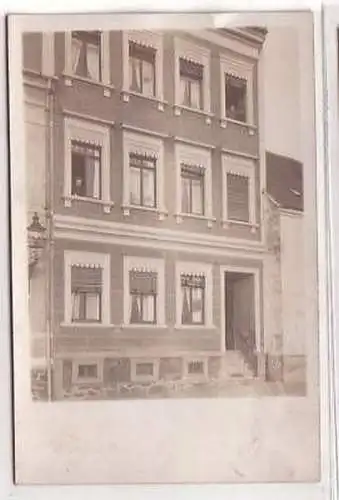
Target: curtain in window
x=92, y=169
x=148, y=188
x=186, y=312
x=197, y=196
x=196, y=94
x=185, y=195
x=148, y=78
x=135, y=75
x=184, y=92
x=93, y=61
x=92, y=306
x=76, y=51
x=135, y=186
x=135, y=308
x=148, y=308
x=197, y=305
x=76, y=306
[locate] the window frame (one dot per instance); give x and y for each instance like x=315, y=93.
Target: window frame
x=197, y=376
x=154, y=41
x=149, y=264
x=206, y=269
x=104, y=63
x=75, y=371
x=184, y=49
x=194, y=323
x=244, y=168
x=142, y=144
x=98, y=158
x=144, y=378
x=73, y=257
x=245, y=71
x=141, y=67
x=201, y=157
x=142, y=169
x=99, y=136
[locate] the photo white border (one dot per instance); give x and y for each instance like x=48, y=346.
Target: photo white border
x=310, y=491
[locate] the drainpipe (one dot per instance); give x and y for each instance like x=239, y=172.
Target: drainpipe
x=49, y=242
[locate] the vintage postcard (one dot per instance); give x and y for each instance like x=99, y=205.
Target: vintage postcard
x=164, y=225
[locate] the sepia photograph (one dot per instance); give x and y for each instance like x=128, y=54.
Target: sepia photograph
x=164, y=246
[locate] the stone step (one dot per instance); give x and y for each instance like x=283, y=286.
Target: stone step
x=235, y=366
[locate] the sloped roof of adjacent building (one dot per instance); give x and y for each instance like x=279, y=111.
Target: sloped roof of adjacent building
x=284, y=181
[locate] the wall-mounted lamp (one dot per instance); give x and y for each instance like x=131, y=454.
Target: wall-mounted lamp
x=36, y=240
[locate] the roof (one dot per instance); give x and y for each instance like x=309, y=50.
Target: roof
x=253, y=35
x=284, y=181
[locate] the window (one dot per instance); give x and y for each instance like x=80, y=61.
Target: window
x=142, y=69
x=87, y=371
x=237, y=98
x=195, y=367
x=142, y=180
x=86, y=170
x=236, y=94
x=86, y=288
x=144, y=369
x=238, y=198
x=143, y=173
x=87, y=163
x=143, y=296
x=192, y=189
x=191, y=78
x=86, y=54
x=86, y=294
x=193, y=299
x=144, y=292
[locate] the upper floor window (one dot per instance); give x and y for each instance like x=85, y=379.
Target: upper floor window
x=87, y=163
x=237, y=90
x=143, y=296
x=142, y=69
x=238, y=208
x=87, y=287
x=142, y=180
x=191, y=80
x=86, y=54
x=193, y=299
x=192, y=189
x=236, y=95
x=86, y=283
x=86, y=170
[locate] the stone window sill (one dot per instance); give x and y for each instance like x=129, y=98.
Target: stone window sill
x=207, y=114
x=195, y=327
x=126, y=94
x=140, y=326
x=107, y=88
x=66, y=324
x=227, y=224
x=251, y=129
x=107, y=205
x=160, y=212
x=179, y=218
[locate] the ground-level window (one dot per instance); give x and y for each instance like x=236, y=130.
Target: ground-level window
x=88, y=371
x=193, y=299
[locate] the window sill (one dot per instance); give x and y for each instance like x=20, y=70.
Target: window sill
x=140, y=326
x=128, y=208
x=207, y=114
x=126, y=94
x=251, y=129
x=194, y=327
x=66, y=324
x=108, y=88
x=226, y=224
x=179, y=218
x=105, y=203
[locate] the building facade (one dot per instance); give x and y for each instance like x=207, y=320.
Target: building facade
x=159, y=268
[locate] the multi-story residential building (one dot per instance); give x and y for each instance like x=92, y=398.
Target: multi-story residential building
x=160, y=266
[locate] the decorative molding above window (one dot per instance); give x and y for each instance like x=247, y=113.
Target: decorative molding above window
x=87, y=160
x=193, y=183
x=239, y=196
x=237, y=93
x=192, y=79
x=143, y=66
x=87, y=261
x=197, y=276
x=144, y=291
x=96, y=53
x=143, y=174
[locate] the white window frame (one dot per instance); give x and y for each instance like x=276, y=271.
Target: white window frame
x=74, y=257
x=104, y=61
x=245, y=168
x=154, y=41
x=153, y=146
x=96, y=135
x=194, y=267
x=200, y=55
x=239, y=69
x=149, y=264
x=75, y=369
x=193, y=155
x=144, y=378
x=196, y=376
